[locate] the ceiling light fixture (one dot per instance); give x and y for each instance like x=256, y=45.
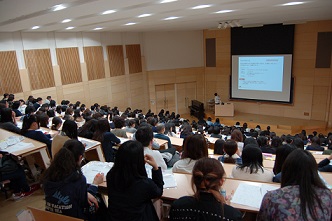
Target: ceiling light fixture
x=201, y=6
x=144, y=15
x=224, y=11
x=69, y=28
x=58, y=7
x=292, y=3
x=99, y=28
x=108, y=12
x=35, y=27
x=131, y=23
x=171, y=18
x=66, y=21
x=167, y=1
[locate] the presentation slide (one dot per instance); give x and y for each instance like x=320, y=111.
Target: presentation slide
x=262, y=77
x=261, y=73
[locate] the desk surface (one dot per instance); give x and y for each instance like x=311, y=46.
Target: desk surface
x=36, y=144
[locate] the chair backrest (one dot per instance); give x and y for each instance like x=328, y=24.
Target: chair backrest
x=41, y=215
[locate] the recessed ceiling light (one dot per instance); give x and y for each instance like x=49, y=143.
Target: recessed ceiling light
x=292, y=3
x=201, y=6
x=167, y=1
x=171, y=18
x=66, y=21
x=131, y=23
x=144, y=15
x=58, y=7
x=99, y=28
x=69, y=28
x=108, y=12
x=35, y=27
x=223, y=11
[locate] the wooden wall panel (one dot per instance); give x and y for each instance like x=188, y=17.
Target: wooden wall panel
x=39, y=65
x=210, y=52
x=10, y=81
x=116, y=60
x=134, y=58
x=69, y=63
x=94, y=60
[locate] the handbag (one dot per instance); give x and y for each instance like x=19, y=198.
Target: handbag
x=8, y=164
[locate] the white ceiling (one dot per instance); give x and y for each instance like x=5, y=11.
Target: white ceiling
x=22, y=15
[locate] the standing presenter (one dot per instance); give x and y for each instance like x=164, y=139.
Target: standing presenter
x=216, y=99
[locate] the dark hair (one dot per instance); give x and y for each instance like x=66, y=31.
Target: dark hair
x=160, y=127
x=195, y=147
x=315, y=141
x=128, y=166
x=230, y=147
x=70, y=129
x=101, y=127
x=77, y=114
x=119, y=122
x=55, y=122
x=6, y=115
x=42, y=119
x=131, y=122
x=144, y=135
x=28, y=120
x=206, y=176
x=276, y=142
x=250, y=140
x=300, y=168
x=15, y=105
x=281, y=155
x=88, y=128
x=262, y=141
x=298, y=142
x=186, y=130
x=219, y=147
x=252, y=159
x=29, y=110
x=65, y=162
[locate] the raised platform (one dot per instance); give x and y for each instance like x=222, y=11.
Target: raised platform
x=280, y=125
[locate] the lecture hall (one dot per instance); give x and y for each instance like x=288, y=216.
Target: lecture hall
x=165, y=110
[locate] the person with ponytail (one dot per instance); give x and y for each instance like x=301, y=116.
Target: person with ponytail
x=230, y=156
x=65, y=186
x=207, y=202
x=302, y=196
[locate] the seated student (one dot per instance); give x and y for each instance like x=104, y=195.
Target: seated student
x=186, y=131
x=30, y=128
x=207, y=202
x=107, y=139
x=7, y=120
x=217, y=123
x=131, y=126
x=298, y=142
x=281, y=155
x=170, y=130
x=88, y=129
x=252, y=166
x=15, y=106
x=263, y=144
x=56, y=123
x=130, y=191
x=324, y=165
x=216, y=132
x=230, y=149
x=119, y=123
x=315, y=145
x=209, y=121
x=64, y=184
x=69, y=131
x=237, y=136
x=16, y=175
x=160, y=128
x=275, y=142
x=144, y=135
x=194, y=148
x=219, y=147
x=302, y=196
x=329, y=145
x=42, y=119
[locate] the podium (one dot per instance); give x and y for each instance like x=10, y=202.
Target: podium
x=224, y=110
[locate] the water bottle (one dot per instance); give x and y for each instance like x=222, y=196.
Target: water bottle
x=223, y=193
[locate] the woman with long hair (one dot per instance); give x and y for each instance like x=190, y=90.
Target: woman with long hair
x=129, y=189
x=69, y=131
x=207, y=202
x=64, y=184
x=30, y=128
x=302, y=196
x=106, y=138
x=252, y=166
x=194, y=148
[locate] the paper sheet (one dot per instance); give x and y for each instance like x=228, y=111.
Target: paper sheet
x=251, y=194
x=18, y=147
x=89, y=143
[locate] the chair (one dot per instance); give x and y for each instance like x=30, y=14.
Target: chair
x=211, y=104
x=4, y=188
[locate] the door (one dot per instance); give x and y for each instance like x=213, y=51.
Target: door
x=165, y=97
x=186, y=92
